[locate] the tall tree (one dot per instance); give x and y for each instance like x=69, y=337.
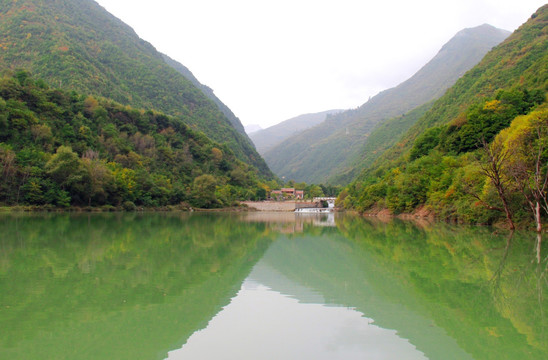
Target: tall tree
x=527, y=141
x=494, y=162
x=64, y=167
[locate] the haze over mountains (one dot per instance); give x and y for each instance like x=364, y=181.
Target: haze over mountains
x=267, y=138
x=319, y=153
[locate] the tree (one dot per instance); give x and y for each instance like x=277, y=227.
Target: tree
x=203, y=191
x=124, y=181
x=495, y=159
x=314, y=191
x=424, y=143
x=41, y=133
x=238, y=177
x=98, y=177
x=527, y=140
x=260, y=194
x=64, y=166
x=217, y=155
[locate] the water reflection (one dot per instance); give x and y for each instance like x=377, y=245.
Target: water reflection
x=289, y=222
x=261, y=285
x=121, y=286
x=284, y=328
x=278, y=318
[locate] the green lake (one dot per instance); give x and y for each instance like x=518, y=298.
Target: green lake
x=267, y=286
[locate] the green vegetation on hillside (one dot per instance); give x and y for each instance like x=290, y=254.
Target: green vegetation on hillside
x=60, y=148
x=77, y=45
x=457, y=159
x=332, y=148
x=383, y=137
x=268, y=138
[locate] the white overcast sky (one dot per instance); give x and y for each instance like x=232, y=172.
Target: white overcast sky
x=273, y=60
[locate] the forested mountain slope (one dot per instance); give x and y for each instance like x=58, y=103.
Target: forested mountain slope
x=268, y=138
x=78, y=45
x=479, y=153
x=60, y=148
x=328, y=149
x=385, y=135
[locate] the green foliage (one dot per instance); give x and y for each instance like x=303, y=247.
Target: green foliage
x=63, y=167
x=339, y=148
x=65, y=149
x=315, y=191
x=129, y=206
x=435, y=165
x=203, y=191
x=77, y=45
x=484, y=120
x=452, y=185
x=424, y=143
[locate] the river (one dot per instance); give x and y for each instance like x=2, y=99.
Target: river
x=267, y=286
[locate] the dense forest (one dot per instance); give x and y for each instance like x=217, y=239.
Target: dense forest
x=61, y=148
x=480, y=154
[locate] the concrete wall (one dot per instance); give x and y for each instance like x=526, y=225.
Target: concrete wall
x=277, y=205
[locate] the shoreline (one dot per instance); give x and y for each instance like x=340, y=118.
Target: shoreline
x=421, y=215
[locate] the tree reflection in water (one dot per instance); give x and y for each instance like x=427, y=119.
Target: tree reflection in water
x=141, y=284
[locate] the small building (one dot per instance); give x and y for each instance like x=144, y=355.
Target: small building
x=287, y=193
x=276, y=195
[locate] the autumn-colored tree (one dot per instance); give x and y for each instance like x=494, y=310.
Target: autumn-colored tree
x=527, y=140
x=97, y=178
x=217, y=155
x=493, y=165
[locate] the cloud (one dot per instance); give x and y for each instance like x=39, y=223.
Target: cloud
x=269, y=61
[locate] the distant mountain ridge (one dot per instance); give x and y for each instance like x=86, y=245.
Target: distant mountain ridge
x=268, y=138
x=319, y=153
x=78, y=45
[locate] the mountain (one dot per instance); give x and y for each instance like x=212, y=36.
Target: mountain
x=268, y=138
x=77, y=45
x=183, y=70
x=61, y=148
x=328, y=149
x=519, y=61
x=476, y=154
x=385, y=135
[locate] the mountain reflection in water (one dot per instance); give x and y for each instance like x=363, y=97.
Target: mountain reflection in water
x=269, y=286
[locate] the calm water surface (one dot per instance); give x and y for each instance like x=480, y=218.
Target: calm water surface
x=266, y=286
